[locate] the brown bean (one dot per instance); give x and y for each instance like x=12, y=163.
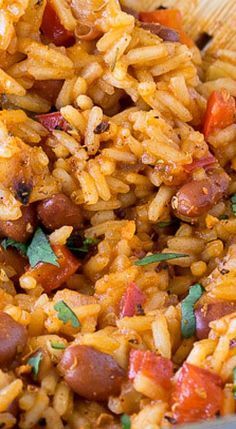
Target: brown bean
x=197, y=196
x=209, y=312
x=13, y=338
x=58, y=211
x=14, y=259
x=165, y=33
x=20, y=229
x=91, y=373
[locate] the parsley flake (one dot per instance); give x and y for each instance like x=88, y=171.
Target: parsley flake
x=159, y=257
x=40, y=250
x=125, y=421
x=57, y=346
x=188, y=321
x=233, y=204
x=34, y=362
x=9, y=242
x=65, y=314
x=234, y=382
x=86, y=245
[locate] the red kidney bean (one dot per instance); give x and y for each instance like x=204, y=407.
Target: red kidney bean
x=197, y=196
x=90, y=373
x=209, y=312
x=165, y=33
x=13, y=338
x=20, y=229
x=58, y=211
x=14, y=259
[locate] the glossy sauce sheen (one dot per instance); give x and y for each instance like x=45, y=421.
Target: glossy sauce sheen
x=13, y=338
x=90, y=373
x=58, y=211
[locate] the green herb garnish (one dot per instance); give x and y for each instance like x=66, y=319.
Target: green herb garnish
x=188, y=321
x=9, y=242
x=34, y=362
x=233, y=204
x=87, y=244
x=40, y=250
x=125, y=421
x=65, y=314
x=57, y=346
x=223, y=217
x=159, y=257
x=234, y=382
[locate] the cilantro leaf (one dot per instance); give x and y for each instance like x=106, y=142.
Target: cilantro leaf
x=57, y=346
x=159, y=257
x=125, y=421
x=233, y=204
x=40, y=250
x=65, y=314
x=234, y=382
x=188, y=321
x=34, y=362
x=9, y=242
x=87, y=243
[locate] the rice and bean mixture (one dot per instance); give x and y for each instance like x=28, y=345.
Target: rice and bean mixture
x=117, y=219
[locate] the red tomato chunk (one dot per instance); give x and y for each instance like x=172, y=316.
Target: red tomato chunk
x=53, y=30
x=197, y=394
x=151, y=365
x=52, y=277
x=130, y=301
x=51, y=121
x=220, y=112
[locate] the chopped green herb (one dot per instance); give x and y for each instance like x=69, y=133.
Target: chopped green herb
x=233, y=204
x=34, y=362
x=164, y=224
x=188, y=321
x=159, y=257
x=87, y=244
x=65, y=314
x=57, y=346
x=40, y=250
x=9, y=242
x=223, y=217
x=125, y=421
x=234, y=382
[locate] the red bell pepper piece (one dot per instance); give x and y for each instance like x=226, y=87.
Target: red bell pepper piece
x=52, y=277
x=151, y=365
x=220, y=112
x=203, y=162
x=171, y=18
x=53, y=30
x=197, y=394
x=52, y=121
x=132, y=298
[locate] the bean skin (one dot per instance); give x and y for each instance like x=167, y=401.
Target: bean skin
x=58, y=211
x=14, y=259
x=20, y=229
x=165, y=33
x=198, y=196
x=13, y=338
x=90, y=373
x=209, y=312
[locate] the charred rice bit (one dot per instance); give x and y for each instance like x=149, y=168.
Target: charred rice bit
x=117, y=216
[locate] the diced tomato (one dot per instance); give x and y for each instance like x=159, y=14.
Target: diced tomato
x=203, y=162
x=53, y=30
x=48, y=89
x=197, y=394
x=151, y=365
x=51, y=121
x=132, y=298
x=52, y=277
x=220, y=112
x=171, y=18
